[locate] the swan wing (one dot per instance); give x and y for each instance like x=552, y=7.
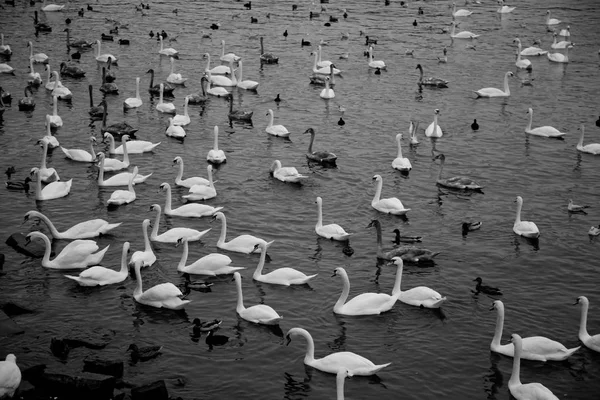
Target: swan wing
x=260, y=313
x=331, y=230
x=90, y=228
x=161, y=292
x=354, y=363
x=525, y=227
x=367, y=304
x=146, y=257
x=533, y=391
x=422, y=296
x=285, y=276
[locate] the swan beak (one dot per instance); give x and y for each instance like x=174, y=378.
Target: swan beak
x=576, y=302
x=334, y=273
x=493, y=306
x=288, y=339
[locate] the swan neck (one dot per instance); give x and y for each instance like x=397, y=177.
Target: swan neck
x=156, y=223
x=583, y=333
x=580, y=144
x=54, y=106
x=125, y=153
x=309, y=356
x=101, y=171
x=47, y=250
x=340, y=380
x=216, y=143
x=184, y=257
x=137, y=88
x=399, y=147
x=147, y=247
x=138, y=277
x=240, y=298
x=270, y=119
x=397, y=291
x=530, y=121
x=518, y=216
x=310, y=145
x=168, y=200
x=180, y=173
x=223, y=231
x=91, y=96
x=506, y=88
x=261, y=262
x=319, y=214
x=38, y=186
x=499, y=325
x=124, y=266
x=515, y=378
x=55, y=233
x=378, y=191
x=44, y=154
x=345, y=289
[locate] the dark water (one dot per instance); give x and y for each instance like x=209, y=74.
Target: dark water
x=433, y=354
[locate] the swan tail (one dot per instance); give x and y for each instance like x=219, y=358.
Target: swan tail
x=303, y=280
x=569, y=352
x=370, y=370
x=477, y=93
x=438, y=303
x=270, y=243
x=75, y=278
x=110, y=227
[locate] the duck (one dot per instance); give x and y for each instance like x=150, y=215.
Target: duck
x=267, y=58
x=106, y=37
x=173, y=234
x=102, y=276
x=536, y=348
x=286, y=174
x=455, y=182
x=106, y=57
x=364, y=303
x=275, y=130
x=155, y=89
x=70, y=70
x=229, y=57
x=134, y=102
x=133, y=146
x=82, y=230
x=124, y=42
x=434, y=130
x=34, y=78
x=120, y=197
x=329, y=231
x=463, y=34
x=574, y=208
x=551, y=21
x=461, y=12
x=470, y=226
x=354, y=363
x=190, y=210
x=241, y=244
x=391, y=205
x=522, y=63
x=216, y=155
x=563, y=44
x=281, y=276
x=47, y=175
x=188, y=182
x=544, y=131
x=559, y=57
x=173, y=78
x=202, y=191
x=162, y=106
x=212, y=264
x=526, y=229
x=164, y=295
x=40, y=58
x=4, y=48
x=167, y=51
x=218, y=91
x=532, y=50
x=526, y=391
x=51, y=7
x=108, y=87
x=258, y=314
x=145, y=257
x=409, y=254
x=78, y=254
x=54, y=120
x=120, y=179
x=322, y=156
x=11, y=376
x=503, y=9
x=78, y=44
x=419, y=296
x=323, y=70
x=53, y=190
x=489, y=290
x=81, y=155
x=218, y=70
x=495, y=92
x=327, y=93
x=401, y=163
x=220, y=80
x=475, y=125
x=13, y=185
x=398, y=238
x=199, y=326
x=245, y=84
x=375, y=63
x=592, y=148
x=175, y=131
x=238, y=115
x=430, y=81
x=59, y=90
x=144, y=353
x=591, y=342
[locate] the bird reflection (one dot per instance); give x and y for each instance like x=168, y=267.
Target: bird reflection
x=294, y=388
x=494, y=379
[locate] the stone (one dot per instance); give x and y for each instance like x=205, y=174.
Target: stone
x=105, y=367
x=8, y=327
x=18, y=241
x=33, y=373
x=12, y=309
x=152, y=391
x=86, y=385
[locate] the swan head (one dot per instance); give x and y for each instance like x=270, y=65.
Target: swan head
x=581, y=300
x=440, y=156
x=150, y=71
x=309, y=130
x=376, y=223
x=276, y=165
x=419, y=67
x=181, y=241
x=164, y=186
x=377, y=178
x=177, y=160
x=337, y=271
x=497, y=305
x=530, y=111
x=437, y=111
x=100, y=156
x=397, y=261
x=217, y=216
x=155, y=207
x=319, y=200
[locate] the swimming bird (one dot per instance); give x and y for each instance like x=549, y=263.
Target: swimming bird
x=559, y=57
x=164, y=295
x=434, y=130
x=167, y=51
x=69, y=70
x=375, y=63
x=40, y=58
x=574, y=208
x=216, y=155
x=54, y=120
x=267, y=58
x=188, y=182
x=409, y=254
x=10, y=376
x=281, y=276
x=238, y=115
x=59, y=90
x=82, y=230
x=591, y=342
x=155, y=89
x=324, y=70
x=173, y=234
x=275, y=130
x=146, y=257
x=46, y=175
x=229, y=57
x=401, y=163
x=120, y=179
x=39, y=25
x=522, y=63
x=183, y=119
x=4, y=48
x=78, y=254
x=162, y=106
x=457, y=13
x=503, y=9
x=485, y=289
x=321, y=156
x=286, y=174
x=242, y=244
x=329, y=231
x=215, y=91
x=106, y=57
x=430, y=81
x=391, y=205
x=134, y=102
x=199, y=326
x=175, y=78
x=79, y=43
x=202, y=191
x=475, y=125
x=189, y=210
x=526, y=229
x=412, y=130
x=463, y=34
x=102, y=276
x=495, y=92
x=419, y=296
x=120, y=197
x=327, y=92
x=470, y=226
x=545, y=131
x=526, y=391
x=133, y=146
x=532, y=50
x=592, y=148
x=444, y=58
x=108, y=87
x=551, y=21
x=258, y=314
x=398, y=238
x=594, y=231
x=455, y=182
x=81, y=155
x=212, y=264
x=244, y=84
x=563, y=44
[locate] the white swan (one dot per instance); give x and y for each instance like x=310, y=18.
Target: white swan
x=565, y=32
x=49, y=82
x=6, y=69
x=51, y=7
x=146, y=257
x=191, y=210
x=221, y=80
x=412, y=131
x=375, y=63
x=419, y=296
x=101, y=276
x=401, y=163
x=50, y=140
x=83, y=230
x=188, y=182
x=53, y=190
x=133, y=146
x=551, y=21
x=329, y=231
x=183, y=119
x=167, y=51
x=176, y=79
x=203, y=191
x=242, y=244
x=536, y=348
x=532, y=50
x=175, y=131
x=526, y=391
x=592, y=148
x=59, y=90
x=120, y=179
x=215, y=155
x=218, y=91
x=522, y=63
x=327, y=92
x=134, y=102
x=104, y=58
x=282, y=276
x=173, y=234
x=245, y=84
x=526, y=229
x=229, y=57
x=4, y=48
x=34, y=77
x=54, y=120
x=391, y=205
x=563, y=44
x=340, y=380
x=120, y=197
x=275, y=130
x=164, y=295
x=10, y=375
x=78, y=254
x=559, y=57
x=113, y=164
x=218, y=70
x=591, y=342
x=81, y=155
x=545, y=131
x=212, y=264
x=322, y=63
x=461, y=12
x=463, y=34
x=332, y=363
x=324, y=70
x=46, y=174
x=162, y=106
x=495, y=92
x=504, y=9
x=258, y=314
x=455, y=182
x=434, y=130
x=286, y=174
x=40, y=58
x=364, y=303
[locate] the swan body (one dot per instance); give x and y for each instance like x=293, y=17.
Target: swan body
x=6, y=69
x=267, y=58
x=47, y=175
x=559, y=57
x=134, y=102
x=409, y=254
x=39, y=58
x=563, y=44
x=53, y=190
x=463, y=34
x=391, y=205
x=54, y=120
x=183, y=119
x=431, y=81
x=164, y=295
x=591, y=342
x=113, y=164
x=34, y=77
x=203, y=191
x=495, y=92
x=327, y=92
x=174, y=78
x=401, y=163
x=532, y=50
x=375, y=63
x=190, y=210
x=83, y=230
x=324, y=70
x=592, y=148
x=212, y=264
x=275, y=130
x=545, y=131
x=329, y=231
x=551, y=21
x=188, y=182
x=10, y=375
x=216, y=155
x=504, y=9
x=221, y=80
x=245, y=84
x=78, y=254
x=120, y=179
x=60, y=91
x=258, y=314
x=434, y=130
x=461, y=12
x=120, y=197
x=173, y=234
x=51, y=7
x=412, y=130
x=69, y=70
x=218, y=91
x=81, y=155
x=364, y=303
x=522, y=63
x=322, y=63
x=106, y=57
x=525, y=391
x=281, y=276
x=162, y=106
x=321, y=156
x=167, y=51
x=229, y=57
x=27, y=103
x=286, y=174
x=238, y=115
x=526, y=229
x=175, y=131
x=78, y=44
x=240, y=244
x=332, y=363
x=120, y=128
x=420, y=296
x=101, y=276
x=218, y=70
x=456, y=182
x=145, y=257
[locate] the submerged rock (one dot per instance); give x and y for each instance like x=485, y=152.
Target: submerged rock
x=152, y=391
x=105, y=367
x=34, y=249
x=8, y=327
